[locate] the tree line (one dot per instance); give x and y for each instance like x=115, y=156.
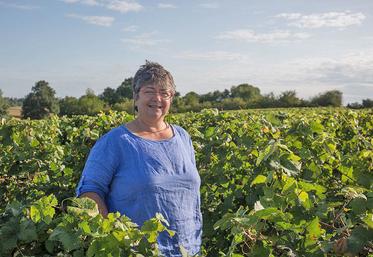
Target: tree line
x=42, y=101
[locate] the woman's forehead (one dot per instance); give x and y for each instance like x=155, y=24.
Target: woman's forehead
x=155, y=86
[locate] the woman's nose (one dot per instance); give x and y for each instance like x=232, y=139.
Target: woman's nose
x=158, y=96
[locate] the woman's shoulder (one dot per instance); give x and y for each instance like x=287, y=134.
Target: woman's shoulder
x=113, y=133
x=113, y=136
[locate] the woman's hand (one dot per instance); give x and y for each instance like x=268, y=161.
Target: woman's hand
x=100, y=202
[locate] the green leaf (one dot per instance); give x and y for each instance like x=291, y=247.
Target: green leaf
x=268, y=151
x=358, y=205
x=35, y=213
x=304, y=200
x=266, y=213
x=34, y=143
x=152, y=237
x=314, y=231
x=260, y=179
x=150, y=226
x=70, y=241
x=49, y=245
x=27, y=232
x=316, y=127
x=85, y=227
x=360, y=237
x=368, y=219
x=209, y=132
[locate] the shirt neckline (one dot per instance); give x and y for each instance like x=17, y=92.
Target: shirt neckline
x=151, y=140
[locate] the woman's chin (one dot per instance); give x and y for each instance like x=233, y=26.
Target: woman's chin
x=155, y=114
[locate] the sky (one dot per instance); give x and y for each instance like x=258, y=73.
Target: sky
x=207, y=45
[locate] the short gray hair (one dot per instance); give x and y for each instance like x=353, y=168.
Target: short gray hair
x=152, y=73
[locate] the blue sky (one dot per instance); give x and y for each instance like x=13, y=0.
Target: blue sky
x=276, y=45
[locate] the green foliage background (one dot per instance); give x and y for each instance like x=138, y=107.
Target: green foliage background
x=295, y=182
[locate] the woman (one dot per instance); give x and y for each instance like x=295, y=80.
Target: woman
x=148, y=166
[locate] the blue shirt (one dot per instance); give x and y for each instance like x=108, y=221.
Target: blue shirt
x=139, y=177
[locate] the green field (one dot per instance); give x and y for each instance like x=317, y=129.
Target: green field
x=290, y=182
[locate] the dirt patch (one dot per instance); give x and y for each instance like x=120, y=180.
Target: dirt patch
x=15, y=111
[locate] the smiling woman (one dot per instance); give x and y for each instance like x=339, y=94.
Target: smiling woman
x=147, y=166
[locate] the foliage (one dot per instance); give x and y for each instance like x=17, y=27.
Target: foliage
x=294, y=182
x=124, y=91
x=126, y=105
x=41, y=102
x=329, y=98
x=74, y=228
x=4, y=104
x=90, y=104
x=109, y=96
x=69, y=106
x=366, y=103
x=233, y=103
x=249, y=93
x=289, y=99
x=13, y=101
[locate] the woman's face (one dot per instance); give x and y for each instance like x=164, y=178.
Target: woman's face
x=153, y=102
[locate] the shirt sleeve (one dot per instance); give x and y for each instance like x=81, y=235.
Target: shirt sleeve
x=99, y=169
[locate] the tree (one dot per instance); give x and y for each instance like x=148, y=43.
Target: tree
x=250, y=94
x=329, y=98
x=41, y=102
x=90, y=104
x=191, y=101
x=126, y=105
x=109, y=96
x=90, y=92
x=233, y=103
x=125, y=90
x=268, y=101
x=289, y=99
x=367, y=103
x=13, y=101
x=69, y=106
x=215, y=96
x=4, y=105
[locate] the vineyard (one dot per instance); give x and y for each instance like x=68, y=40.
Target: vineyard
x=295, y=182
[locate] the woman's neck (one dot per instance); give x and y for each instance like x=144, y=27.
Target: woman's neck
x=154, y=126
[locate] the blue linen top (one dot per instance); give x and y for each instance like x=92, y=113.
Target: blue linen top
x=139, y=177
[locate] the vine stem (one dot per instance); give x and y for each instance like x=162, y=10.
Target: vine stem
x=19, y=250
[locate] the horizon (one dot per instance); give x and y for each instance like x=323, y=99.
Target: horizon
x=206, y=45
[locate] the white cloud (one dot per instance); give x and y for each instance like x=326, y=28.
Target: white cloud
x=166, y=6
x=95, y=20
x=19, y=6
x=144, y=40
x=210, y=56
x=209, y=5
x=352, y=68
x=248, y=35
x=318, y=20
x=86, y=2
x=131, y=28
x=123, y=6
x=350, y=73
x=115, y=5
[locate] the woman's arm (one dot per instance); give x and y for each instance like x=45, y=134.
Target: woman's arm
x=102, y=208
